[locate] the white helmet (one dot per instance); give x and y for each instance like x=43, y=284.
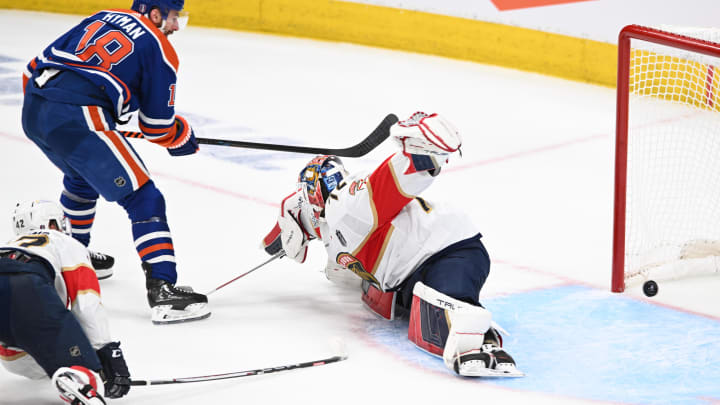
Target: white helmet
x=32, y=216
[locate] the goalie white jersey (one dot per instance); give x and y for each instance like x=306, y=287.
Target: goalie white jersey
x=377, y=225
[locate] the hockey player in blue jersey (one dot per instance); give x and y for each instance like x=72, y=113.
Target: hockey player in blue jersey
x=77, y=90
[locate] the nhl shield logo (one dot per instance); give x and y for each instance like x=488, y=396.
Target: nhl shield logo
x=75, y=351
x=120, y=181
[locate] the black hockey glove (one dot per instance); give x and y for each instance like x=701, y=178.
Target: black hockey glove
x=114, y=373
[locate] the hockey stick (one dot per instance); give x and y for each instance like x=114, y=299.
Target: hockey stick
x=275, y=256
x=375, y=138
x=248, y=373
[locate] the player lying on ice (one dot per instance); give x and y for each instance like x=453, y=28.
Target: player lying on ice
x=43, y=271
x=417, y=254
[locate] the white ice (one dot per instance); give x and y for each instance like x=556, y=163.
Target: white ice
x=535, y=176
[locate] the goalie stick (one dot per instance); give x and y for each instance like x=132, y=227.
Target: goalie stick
x=248, y=373
x=277, y=255
x=375, y=138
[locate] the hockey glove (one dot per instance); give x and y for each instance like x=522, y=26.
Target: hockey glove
x=184, y=142
x=293, y=238
x=294, y=228
x=114, y=373
x=426, y=134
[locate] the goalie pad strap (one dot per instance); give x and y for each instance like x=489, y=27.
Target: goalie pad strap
x=379, y=302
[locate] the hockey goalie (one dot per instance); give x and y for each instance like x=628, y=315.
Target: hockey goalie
x=411, y=253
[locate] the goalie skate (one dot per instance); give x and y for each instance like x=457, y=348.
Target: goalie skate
x=489, y=361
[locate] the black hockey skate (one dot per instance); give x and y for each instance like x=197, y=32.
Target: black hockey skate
x=102, y=263
x=171, y=304
x=502, y=363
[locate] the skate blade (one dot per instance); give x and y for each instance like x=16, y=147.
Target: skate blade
x=488, y=372
x=165, y=315
x=103, y=274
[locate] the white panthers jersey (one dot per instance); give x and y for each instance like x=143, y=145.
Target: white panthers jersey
x=76, y=285
x=377, y=225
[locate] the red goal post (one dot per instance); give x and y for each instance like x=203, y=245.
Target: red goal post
x=672, y=77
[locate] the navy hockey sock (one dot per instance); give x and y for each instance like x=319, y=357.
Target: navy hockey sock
x=154, y=245
x=78, y=202
x=146, y=209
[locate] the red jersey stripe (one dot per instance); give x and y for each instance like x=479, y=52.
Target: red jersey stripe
x=80, y=279
x=387, y=196
x=7, y=354
x=386, y=200
x=373, y=250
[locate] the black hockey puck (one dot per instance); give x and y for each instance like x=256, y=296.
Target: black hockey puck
x=650, y=288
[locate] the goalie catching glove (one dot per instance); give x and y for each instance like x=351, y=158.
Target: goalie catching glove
x=426, y=134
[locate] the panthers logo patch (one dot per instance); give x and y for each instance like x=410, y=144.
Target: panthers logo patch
x=351, y=263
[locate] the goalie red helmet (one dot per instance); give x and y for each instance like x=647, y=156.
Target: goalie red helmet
x=320, y=177
x=39, y=215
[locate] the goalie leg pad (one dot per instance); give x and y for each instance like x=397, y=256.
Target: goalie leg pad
x=430, y=318
x=454, y=329
x=379, y=302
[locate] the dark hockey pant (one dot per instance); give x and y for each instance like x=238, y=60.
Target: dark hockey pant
x=34, y=319
x=458, y=271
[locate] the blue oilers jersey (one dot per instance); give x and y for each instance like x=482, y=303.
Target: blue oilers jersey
x=127, y=58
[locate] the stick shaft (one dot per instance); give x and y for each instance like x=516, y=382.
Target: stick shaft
x=238, y=374
x=275, y=256
x=375, y=138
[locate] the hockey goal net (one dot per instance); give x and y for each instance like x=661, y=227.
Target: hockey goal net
x=667, y=155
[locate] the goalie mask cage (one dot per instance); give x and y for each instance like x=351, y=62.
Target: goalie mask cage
x=667, y=155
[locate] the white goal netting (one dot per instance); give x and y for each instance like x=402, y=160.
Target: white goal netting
x=672, y=224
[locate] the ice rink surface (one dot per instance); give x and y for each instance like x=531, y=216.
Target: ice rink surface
x=535, y=177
